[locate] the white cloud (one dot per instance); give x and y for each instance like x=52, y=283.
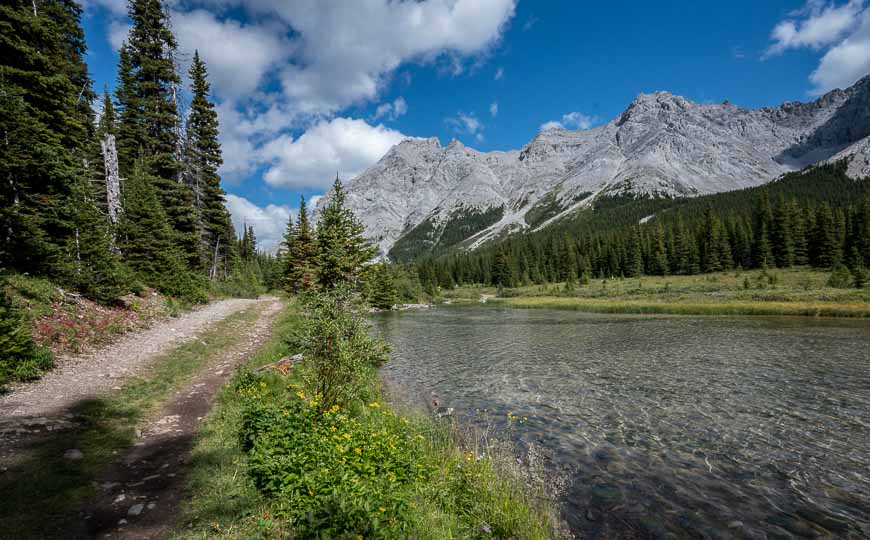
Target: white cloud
x=269, y=222
x=842, y=31
x=499, y=73
x=572, y=120
x=345, y=51
x=846, y=62
x=344, y=145
x=238, y=56
x=392, y=110
x=493, y=109
x=295, y=64
x=117, y=34
x=466, y=123
x=821, y=25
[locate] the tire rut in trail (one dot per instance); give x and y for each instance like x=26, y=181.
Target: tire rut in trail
x=141, y=494
x=44, y=405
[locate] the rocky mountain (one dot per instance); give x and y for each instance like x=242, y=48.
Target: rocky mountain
x=423, y=197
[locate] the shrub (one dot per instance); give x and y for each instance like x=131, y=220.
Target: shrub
x=20, y=358
x=332, y=474
x=841, y=277
x=340, y=353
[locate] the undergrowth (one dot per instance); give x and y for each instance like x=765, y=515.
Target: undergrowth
x=273, y=462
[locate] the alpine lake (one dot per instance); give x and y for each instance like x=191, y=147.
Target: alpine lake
x=660, y=426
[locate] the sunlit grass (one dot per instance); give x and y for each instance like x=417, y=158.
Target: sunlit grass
x=794, y=291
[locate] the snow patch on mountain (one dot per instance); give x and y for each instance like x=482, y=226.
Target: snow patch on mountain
x=661, y=145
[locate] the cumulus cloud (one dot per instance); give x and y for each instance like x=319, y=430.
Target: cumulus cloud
x=493, y=109
x=344, y=145
x=269, y=222
x=238, y=56
x=466, y=123
x=393, y=110
x=841, y=30
x=572, y=120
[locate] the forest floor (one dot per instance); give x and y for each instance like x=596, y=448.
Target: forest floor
x=793, y=291
x=99, y=445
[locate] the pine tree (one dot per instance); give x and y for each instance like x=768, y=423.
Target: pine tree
x=659, y=264
x=45, y=95
x=202, y=158
x=381, y=283
x=824, y=250
x=149, y=122
x=782, y=235
x=147, y=241
x=341, y=247
x=300, y=265
x=762, y=254
x=634, y=261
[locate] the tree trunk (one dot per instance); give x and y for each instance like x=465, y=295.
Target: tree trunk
x=113, y=180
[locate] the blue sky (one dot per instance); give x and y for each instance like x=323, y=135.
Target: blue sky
x=306, y=88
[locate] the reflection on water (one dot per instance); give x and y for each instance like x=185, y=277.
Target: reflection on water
x=668, y=426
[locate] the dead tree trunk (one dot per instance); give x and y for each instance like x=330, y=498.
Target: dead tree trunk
x=212, y=273
x=113, y=179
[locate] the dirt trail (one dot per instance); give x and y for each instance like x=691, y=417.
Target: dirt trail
x=43, y=405
x=140, y=495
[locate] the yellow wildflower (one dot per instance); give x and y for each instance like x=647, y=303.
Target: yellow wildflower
x=346, y=436
x=382, y=509
x=357, y=451
x=375, y=405
x=301, y=394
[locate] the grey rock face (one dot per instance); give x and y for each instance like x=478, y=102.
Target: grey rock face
x=661, y=144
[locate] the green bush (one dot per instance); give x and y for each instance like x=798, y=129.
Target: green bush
x=340, y=354
x=20, y=358
x=334, y=475
x=841, y=277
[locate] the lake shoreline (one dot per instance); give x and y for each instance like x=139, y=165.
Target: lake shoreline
x=800, y=292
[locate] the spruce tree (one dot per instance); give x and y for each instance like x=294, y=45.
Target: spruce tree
x=381, y=283
x=824, y=249
x=341, y=247
x=148, y=243
x=45, y=96
x=300, y=262
x=634, y=261
x=659, y=264
x=782, y=235
x=149, y=122
x=202, y=159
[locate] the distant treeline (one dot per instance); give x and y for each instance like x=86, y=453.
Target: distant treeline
x=818, y=217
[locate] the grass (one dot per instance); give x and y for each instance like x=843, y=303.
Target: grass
x=473, y=490
x=40, y=491
x=793, y=291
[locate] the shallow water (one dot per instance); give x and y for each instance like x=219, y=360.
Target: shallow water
x=665, y=427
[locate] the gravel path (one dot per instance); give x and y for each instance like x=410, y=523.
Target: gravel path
x=140, y=494
x=46, y=401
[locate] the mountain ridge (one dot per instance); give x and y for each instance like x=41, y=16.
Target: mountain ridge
x=661, y=145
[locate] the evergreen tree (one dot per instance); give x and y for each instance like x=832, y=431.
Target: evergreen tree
x=782, y=235
x=659, y=263
x=202, y=158
x=300, y=265
x=381, y=283
x=341, y=247
x=634, y=262
x=824, y=250
x=149, y=122
x=45, y=95
x=147, y=241
x=762, y=254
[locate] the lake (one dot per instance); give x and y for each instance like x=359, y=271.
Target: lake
x=662, y=426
